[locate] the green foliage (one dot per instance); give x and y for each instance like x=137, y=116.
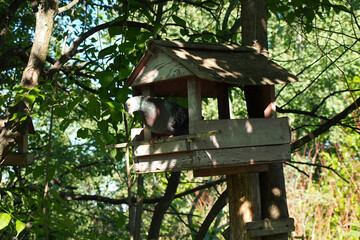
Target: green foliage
x=5, y=219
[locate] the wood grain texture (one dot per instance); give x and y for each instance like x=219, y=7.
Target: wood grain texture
x=244, y=203
x=160, y=67
x=194, y=103
x=231, y=170
x=200, y=159
x=18, y=159
x=234, y=133
x=242, y=133
x=160, y=148
x=269, y=227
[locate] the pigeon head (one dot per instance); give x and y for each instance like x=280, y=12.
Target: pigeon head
x=133, y=104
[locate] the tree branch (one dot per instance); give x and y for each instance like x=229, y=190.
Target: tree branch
x=318, y=76
x=316, y=165
x=69, y=6
x=326, y=126
x=80, y=197
x=182, y=220
x=163, y=205
x=217, y=207
x=72, y=50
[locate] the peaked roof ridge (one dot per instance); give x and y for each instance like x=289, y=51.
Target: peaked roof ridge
x=199, y=46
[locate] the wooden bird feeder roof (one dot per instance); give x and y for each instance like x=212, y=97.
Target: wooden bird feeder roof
x=167, y=65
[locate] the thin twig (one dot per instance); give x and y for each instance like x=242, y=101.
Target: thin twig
x=182, y=220
x=48, y=157
x=319, y=165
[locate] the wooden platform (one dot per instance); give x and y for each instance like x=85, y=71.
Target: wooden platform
x=18, y=159
x=240, y=142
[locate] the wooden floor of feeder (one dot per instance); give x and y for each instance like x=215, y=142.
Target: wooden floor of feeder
x=239, y=142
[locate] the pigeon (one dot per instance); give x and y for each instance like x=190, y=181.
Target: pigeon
x=160, y=116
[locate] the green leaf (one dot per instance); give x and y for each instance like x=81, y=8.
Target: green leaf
x=113, y=153
x=51, y=172
x=120, y=220
x=93, y=108
x=97, y=137
x=103, y=126
x=124, y=73
x=29, y=98
x=122, y=94
x=132, y=33
x=338, y=8
x=356, y=79
x=105, y=78
x=38, y=171
x=64, y=124
x=72, y=104
x=82, y=133
x=115, y=30
x=126, y=47
x=107, y=51
x=4, y=220
x=179, y=21
x=20, y=226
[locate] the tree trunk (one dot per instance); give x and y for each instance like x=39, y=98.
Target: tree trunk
x=10, y=132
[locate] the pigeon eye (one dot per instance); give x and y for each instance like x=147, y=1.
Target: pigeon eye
x=128, y=104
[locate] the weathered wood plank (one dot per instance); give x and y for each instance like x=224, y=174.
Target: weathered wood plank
x=269, y=227
x=160, y=67
x=161, y=148
x=242, y=133
x=230, y=170
x=238, y=156
x=164, y=163
x=234, y=133
x=245, y=199
x=194, y=103
x=200, y=159
x=138, y=139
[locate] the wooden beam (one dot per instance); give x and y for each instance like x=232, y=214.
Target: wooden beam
x=231, y=170
x=269, y=227
x=137, y=138
x=200, y=159
x=18, y=159
x=147, y=90
x=223, y=101
x=194, y=102
x=242, y=133
x=244, y=203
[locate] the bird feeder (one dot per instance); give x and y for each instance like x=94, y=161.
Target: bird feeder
x=21, y=157
x=213, y=147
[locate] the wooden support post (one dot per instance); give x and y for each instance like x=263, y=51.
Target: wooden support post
x=244, y=203
x=261, y=103
x=244, y=191
x=194, y=102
